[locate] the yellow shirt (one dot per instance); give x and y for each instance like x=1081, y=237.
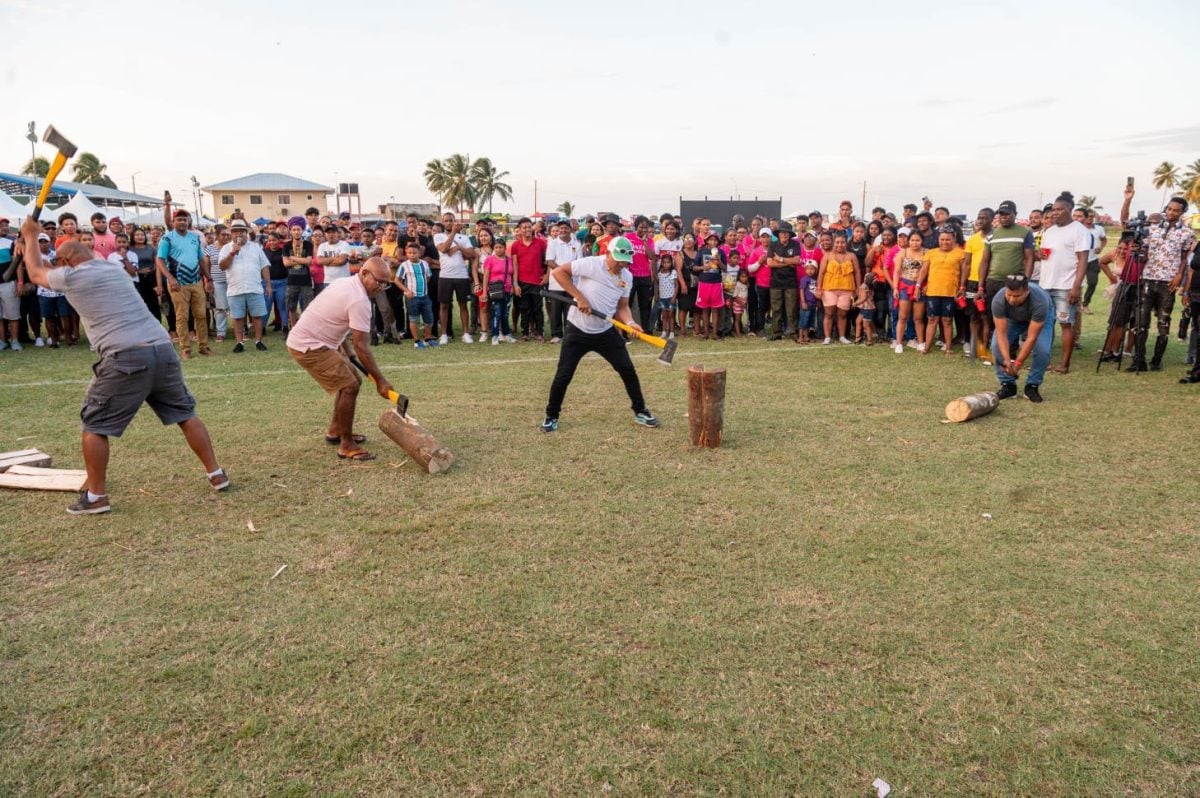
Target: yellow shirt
x=944, y=270
x=975, y=247
x=391, y=249
x=839, y=275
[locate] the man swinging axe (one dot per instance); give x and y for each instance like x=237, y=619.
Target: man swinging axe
x=603, y=283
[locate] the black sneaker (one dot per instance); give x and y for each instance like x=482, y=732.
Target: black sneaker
x=239, y=347
x=1189, y=380
x=645, y=418
x=260, y=346
x=84, y=507
x=1033, y=394
x=1007, y=391
x=549, y=424
x=1155, y=366
x=1136, y=368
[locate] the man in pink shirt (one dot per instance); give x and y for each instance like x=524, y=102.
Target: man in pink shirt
x=318, y=343
x=104, y=243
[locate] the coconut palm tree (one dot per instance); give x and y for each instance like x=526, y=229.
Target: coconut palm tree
x=566, y=209
x=1166, y=177
x=37, y=167
x=450, y=180
x=1088, y=203
x=88, y=169
x=1190, y=184
x=486, y=180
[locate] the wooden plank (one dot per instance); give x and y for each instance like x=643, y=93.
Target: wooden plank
x=18, y=453
x=44, y=479
x=31, y=457
x=32, y=471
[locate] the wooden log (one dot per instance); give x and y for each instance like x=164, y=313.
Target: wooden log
x=25, y=457
x=706, y=406
x=31, y=478
x=416, y=441
x=968, y=407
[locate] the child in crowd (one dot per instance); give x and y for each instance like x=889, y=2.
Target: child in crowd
x=709, y=296
x=808, y=299
x=124, y=258
x=87, y=240
x=729, y=280
x=741, y=296
x=498, y=281
x=864, y=325
x=55, y=310
x=670, y=283
x=412, y=276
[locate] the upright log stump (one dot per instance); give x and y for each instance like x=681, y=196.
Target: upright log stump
x=706, y=406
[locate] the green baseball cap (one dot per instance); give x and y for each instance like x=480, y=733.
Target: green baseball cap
x=621, y=249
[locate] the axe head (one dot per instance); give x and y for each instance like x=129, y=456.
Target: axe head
x=402, y=405
x=59, y=142
x=668, y=353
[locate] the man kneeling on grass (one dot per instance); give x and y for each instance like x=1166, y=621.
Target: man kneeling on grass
x=318, y=343
x=1021, y=311
x=602, y=284
x=137, y=362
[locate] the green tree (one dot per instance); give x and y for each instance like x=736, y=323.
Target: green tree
x=1088, y=203
x=450, y=181
x=1166, y=177
x=1190, y=185
x=487, y=182
x=88, y=169
x=37, y=167
x=566, y=209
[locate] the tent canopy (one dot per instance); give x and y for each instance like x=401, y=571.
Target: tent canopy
x=12, y=210
x=81, y=206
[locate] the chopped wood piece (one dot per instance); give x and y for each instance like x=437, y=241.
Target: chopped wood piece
x=30, y=478
x=26, y=457
x=973, y=406
x=416, y=442
x=706, y=406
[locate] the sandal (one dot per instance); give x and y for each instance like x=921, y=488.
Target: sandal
x=358, y=456
x=334, y=440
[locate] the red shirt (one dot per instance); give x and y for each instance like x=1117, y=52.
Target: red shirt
x=530, y=259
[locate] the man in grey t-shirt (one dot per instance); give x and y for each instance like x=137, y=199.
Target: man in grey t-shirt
x=137, y=362
x=1023, y=314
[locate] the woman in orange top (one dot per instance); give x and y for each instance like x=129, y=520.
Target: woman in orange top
x=837, y=281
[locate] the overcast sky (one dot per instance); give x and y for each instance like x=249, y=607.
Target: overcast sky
x=618, y=106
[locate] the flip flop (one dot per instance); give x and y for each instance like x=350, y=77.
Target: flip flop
x=358, y=456
x=334, y=440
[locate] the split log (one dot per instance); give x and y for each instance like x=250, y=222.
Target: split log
x=706, y=406
x=416, y=442
x=30, y=478
x=25, y=457
x=973, y=406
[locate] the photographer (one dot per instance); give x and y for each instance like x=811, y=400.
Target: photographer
x=1167, y=246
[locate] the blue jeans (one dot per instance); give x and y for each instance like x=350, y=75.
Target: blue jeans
x=498, y=309
x=1038, y=360
x=279, y=300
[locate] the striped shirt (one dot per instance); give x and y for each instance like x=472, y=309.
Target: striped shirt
x=415, y=276
x=214, y=268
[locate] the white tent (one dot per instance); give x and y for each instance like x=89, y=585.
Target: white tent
x=12, y=210
x=81, y=206
x=155, y=218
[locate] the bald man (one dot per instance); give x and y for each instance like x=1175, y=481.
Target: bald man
x=318, y=343
x=137, y=362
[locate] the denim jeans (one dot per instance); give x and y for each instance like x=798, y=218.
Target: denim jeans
x=221, y=307
x=1038, y=359
x=498, y=310
x=279, y=300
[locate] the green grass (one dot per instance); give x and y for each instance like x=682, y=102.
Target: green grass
x=605, y=610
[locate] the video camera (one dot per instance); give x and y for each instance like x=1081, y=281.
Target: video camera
x=1139, y=226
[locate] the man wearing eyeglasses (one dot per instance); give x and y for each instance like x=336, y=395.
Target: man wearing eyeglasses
x=318, y=343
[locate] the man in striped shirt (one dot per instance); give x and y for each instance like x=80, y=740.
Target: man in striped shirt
x=412, y=278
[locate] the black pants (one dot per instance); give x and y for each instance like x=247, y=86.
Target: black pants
x=531, y=309
x=641, y=296
x=1093, y=277
x=763, y=296
x=1154, y=296
x=145, y=286
x=611, y=347
x=558, y=313
x=752, y=308
x=432, y=291
x=31, y=318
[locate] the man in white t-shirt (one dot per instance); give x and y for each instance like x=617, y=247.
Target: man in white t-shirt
x=248, y=283
x=1065, y=247
x=334, y=255
x=454, y=281
x=601, y=284
x=564, y=248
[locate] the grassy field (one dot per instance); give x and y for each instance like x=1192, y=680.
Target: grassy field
x=605, y=611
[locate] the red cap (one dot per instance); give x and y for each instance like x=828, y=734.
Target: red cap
x=116, y=219
x=181, y=212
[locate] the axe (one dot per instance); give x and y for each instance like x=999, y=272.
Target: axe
x=667, y=347
x=65, y=151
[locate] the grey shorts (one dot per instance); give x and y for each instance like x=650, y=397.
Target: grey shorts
x=124, y=380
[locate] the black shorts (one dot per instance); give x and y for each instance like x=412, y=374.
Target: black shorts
x=448, y=287
x=990, y=289
x=124, y=380
x=973, y=295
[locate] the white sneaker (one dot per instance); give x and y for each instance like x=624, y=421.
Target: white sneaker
x=445, y=339
x=671, y=337
x=467, y=339
x=49, y=342
x=898, y=349
x=967, y=349
x=495, y=340
x=912, y=344
x=843, y=340
x=942, y=345
x=557, y=340
x=508, y=339
x=483, y=337
x=16, y=346
x=38, y=342
x=920, y=347
x=827, y=342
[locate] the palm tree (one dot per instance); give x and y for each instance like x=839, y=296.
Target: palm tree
x=486, y=180
x=450, y=180
x=566, y=209
x=1166, y=177
x=88, y=169
x=1088, y=203
x=1191, y=182
x=37, y=167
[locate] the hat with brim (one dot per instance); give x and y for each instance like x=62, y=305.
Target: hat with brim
x=785, y=227
x=239, y=224
x=711, y=236
x=621, y=250
x=1008, y=206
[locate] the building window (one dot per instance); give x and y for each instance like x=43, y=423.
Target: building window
x=256, y=199
x=226, y=199
x=284, y=199
x=310, y=196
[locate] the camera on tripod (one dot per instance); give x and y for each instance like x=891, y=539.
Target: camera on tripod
x=1139, y=227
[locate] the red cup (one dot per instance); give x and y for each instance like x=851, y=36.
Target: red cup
x=980, y=305
x=961, y=302
x=1045, y=253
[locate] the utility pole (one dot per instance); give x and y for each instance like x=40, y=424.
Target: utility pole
x=535, y=195
x=196, y=195
x=32, y=136
x=133, y=181
x=862, y=209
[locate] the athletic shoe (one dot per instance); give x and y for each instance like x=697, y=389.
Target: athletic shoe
x=260, y=346
x=84, y=507
x=508, y=339
x=827, y=342
x=549, y=424
x=557, y=340
x=920, y=347
x=38, y=342
x=912, y=344
x=898, y=349
x=645, y=418
x=239, y=347
x=1032, y=394
x=431, y=342
x=1007, y=391
x=418, y=345
x=3, y=346
x=16, y=346
x=445, y=339
x=53, y=344
x=670, y=337
x=1189, y=380
x=495, y=340
x=467, y=339
x=843, y=340
x=374, y=339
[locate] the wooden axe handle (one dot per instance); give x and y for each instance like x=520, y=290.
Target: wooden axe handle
x=398, y=399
